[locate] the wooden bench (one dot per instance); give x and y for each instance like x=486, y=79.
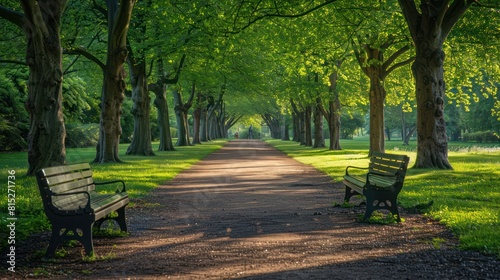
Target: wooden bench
x=380, y=185
x=73, y=206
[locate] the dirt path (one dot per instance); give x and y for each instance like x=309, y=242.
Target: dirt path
x=249, y=212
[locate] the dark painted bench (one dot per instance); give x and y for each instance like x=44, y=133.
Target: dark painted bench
x=380, y=185
x=73, y=206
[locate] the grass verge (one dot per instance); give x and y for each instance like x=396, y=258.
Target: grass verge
x=140, y=173
x=466, y=199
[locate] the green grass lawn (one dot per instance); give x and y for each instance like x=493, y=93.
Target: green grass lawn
x=141, y=174
x=466, y=199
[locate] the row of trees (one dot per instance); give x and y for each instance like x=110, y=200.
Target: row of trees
x=294, y=63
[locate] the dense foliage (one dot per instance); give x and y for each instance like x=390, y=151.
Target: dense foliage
x=247, y=61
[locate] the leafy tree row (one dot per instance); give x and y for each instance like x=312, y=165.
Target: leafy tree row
x=296, y=64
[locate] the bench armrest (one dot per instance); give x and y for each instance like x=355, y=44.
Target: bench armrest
x=111, y=182
x=354, y=167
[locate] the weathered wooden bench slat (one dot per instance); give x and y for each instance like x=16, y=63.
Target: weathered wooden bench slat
x=68, y=177
x=382, y=169
x=380, y=185
x=82, y=184
x=73, y=206
x=63, y=169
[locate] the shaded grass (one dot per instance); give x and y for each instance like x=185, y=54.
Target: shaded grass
x=140, y=173
x=466, y=199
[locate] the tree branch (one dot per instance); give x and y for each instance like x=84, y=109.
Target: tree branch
x=360, y=59
x=86, y=54
x=411, y=15
x=278, y=14
x=88, y=46
x=14, y=17
x=394, y=56
x=399, y=64
x=453, y=14
x=100, y=9
x=165, y=80
x=13, y=62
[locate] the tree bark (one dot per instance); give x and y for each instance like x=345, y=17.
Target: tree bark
x=301, y=123
x=295, y=128
x=204, y=125
x=114, y=81
x=273, y=124
x=44, y=104
x=319, y=139
x=429, y=29
x=141, y=142
x=285, y=134
x=333, y=114
x=161, y=105
x=197, y=120
x=181, y=116
x=377, y=121
x=307, y=125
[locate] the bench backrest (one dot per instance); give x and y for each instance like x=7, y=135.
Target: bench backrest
x=389, y=164
x=64, y=179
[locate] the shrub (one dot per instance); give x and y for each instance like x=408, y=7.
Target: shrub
x=481, y=136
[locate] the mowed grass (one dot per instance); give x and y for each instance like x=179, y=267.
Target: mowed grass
x=141, y=174
x=466, y=199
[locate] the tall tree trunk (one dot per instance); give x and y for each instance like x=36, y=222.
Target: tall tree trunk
x=302, y=128
x=159, y=88
x=335, y=123
x=197, y=120
x=212, y=127
x=296, y=117
x=163, y=118
x=296, y=127
x=44, y=104
x=333, y=114
x=377, y=98
x=221, y=120
x=141, y=142
x=114, y=81
x=196, y=126
x=273, y=124
x=432, y=150
x=429, y=29
x=204, y=125
x=182, y=126
x=285, y=134
x=319, y=139
x=307, y=125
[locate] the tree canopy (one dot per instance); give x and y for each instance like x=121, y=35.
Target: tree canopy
x=291, y=65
